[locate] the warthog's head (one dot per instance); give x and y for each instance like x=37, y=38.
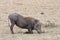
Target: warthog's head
x=37, y=27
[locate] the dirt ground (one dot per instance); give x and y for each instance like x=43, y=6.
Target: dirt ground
x=49, y=34
x=31, y=8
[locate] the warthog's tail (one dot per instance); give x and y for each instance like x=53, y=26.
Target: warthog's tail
x=9, y=23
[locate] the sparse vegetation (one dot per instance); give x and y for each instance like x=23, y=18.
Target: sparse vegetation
x=49, y=24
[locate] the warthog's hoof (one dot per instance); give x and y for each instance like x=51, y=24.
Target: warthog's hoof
x=28, y=33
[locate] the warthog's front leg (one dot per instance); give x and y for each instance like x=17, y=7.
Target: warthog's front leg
x=30, y=31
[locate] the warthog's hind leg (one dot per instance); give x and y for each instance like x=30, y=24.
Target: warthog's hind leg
x=11, y=26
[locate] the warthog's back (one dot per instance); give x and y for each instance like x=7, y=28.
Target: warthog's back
x=18, y=19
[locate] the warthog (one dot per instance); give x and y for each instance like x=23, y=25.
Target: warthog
x=24, y=23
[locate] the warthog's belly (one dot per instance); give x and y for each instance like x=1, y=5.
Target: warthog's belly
x=24, y=26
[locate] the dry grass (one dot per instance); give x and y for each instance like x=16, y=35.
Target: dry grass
x=32, y=8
